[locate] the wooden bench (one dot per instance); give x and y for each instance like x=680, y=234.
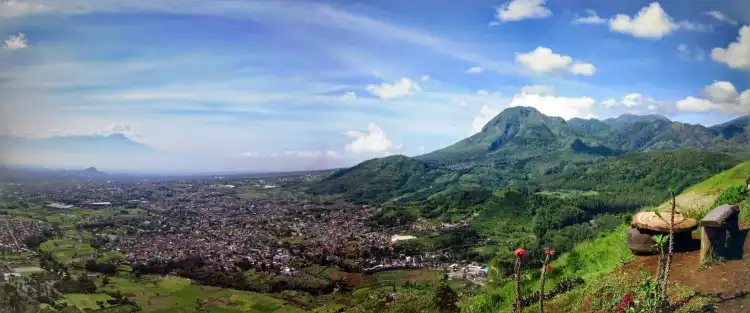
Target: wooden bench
x=714, y=231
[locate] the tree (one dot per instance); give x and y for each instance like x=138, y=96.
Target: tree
x=445, y=298
x=552, y=216
x=86, y=284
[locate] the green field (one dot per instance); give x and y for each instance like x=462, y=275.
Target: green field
x=173, y=294
x=68, y=248
x=86, y=301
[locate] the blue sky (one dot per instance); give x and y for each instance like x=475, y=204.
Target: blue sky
x=280, y=85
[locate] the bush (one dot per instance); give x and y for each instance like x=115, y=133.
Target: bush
x=732, y=195
x=553, y=217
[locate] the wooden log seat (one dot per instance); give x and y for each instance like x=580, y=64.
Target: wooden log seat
x=716, y=224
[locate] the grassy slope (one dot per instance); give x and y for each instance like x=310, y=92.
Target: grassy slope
x=700, y=196
x=588, y=260
x=596, y=260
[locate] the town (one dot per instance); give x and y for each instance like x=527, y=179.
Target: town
x=227, y=224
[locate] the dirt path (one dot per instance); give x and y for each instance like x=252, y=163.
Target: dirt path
x=730, y=280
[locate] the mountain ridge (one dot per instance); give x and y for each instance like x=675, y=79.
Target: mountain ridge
x=521, y=144
x=113, y=143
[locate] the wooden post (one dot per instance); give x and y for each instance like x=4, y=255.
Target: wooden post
x=714, y=232
x=713, y=240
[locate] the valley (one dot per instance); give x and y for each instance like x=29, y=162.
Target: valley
x=369, y=237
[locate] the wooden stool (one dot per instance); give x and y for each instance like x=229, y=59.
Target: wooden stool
x=715, y=226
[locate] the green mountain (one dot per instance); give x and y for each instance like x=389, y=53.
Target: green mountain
x=516, y=133
x=522, y=146
x=382, y=179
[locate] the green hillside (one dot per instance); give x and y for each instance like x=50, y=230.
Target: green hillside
x=522, y=147
x=600, y=262
x=383, y=179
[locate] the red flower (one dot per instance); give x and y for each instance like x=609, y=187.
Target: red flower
x=519, y=252
x=549, y=252
x=549, y=268
x=628, y=298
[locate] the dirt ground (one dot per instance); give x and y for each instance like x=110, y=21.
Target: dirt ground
x=730, y=281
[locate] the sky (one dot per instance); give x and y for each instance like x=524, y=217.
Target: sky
x=285, y=85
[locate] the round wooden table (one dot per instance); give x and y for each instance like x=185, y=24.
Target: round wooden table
x=647, y=224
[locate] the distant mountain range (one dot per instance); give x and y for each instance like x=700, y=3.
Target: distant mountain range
x=520, y=133
x=76, y=151
x=521, y=144
x=112, y=144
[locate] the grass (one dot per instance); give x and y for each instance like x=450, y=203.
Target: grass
x=420, y=276
x=68, y=248
x=110, y=255
x=589, y=260
x=699, y=197
x=173, y=294
x=734, y=176
x=86, y=301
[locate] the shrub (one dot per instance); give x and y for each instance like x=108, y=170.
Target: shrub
x=732, y=195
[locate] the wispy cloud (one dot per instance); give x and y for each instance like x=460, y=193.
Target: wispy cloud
x=721, y=17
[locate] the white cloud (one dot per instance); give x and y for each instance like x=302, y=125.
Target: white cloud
x=721, y=91
x=585, y=69
x=631, y=100
x=721, y=97
x=421, y=148
x=745, y=98
x=637, y=103
x=516, y=10
x=373, y=141
x=692, y=104
x=650, y=22
x=250, y=154
x=538, y=90
x=332, y=154
x=401, y=88
x=593, y=18
x=15, y=42
x=737, y=54
x=475, y=70
x=425, y=78
x=721, y=17
x=486, y=114
x=611, y=102
x=125, y=129
x=117, y=128
x=483, y=92
x=349, y=96
x=543, y=60
x=13, y=8
x=564, y=107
